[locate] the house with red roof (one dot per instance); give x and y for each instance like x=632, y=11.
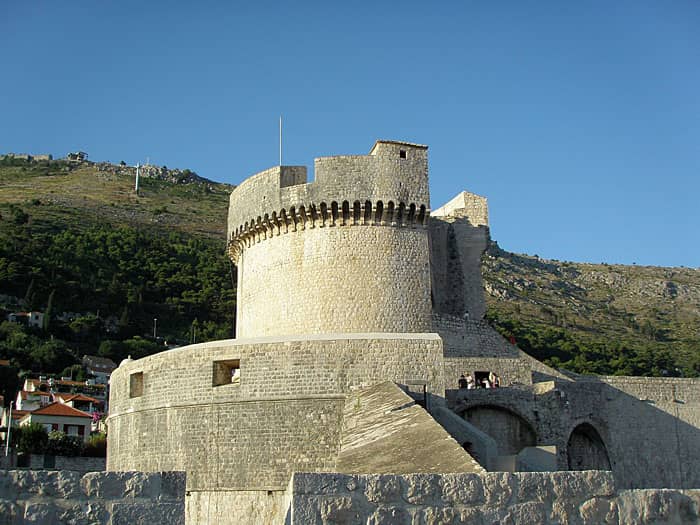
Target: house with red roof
x=61, y=417
x=80, y=401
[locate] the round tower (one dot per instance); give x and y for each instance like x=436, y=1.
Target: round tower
x=346, y=253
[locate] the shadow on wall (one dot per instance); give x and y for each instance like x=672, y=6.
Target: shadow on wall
x=595, y=426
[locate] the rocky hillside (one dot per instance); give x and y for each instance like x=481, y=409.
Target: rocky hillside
x=168, y=198
x=77, y=229
x=597, y=317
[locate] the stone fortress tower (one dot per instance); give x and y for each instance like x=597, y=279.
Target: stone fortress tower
x=357, y=310
x=346, y=253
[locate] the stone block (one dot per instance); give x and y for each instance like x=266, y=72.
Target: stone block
x=41, y=513
x=85, y=513
x=462, y=489
x=383, y=489
x=581, y=485
x=104, y=485
x=389, y=515
x=340, y=510
x=437, y=516
x=10, y=513
x=136, y=513
x=172, y=485
x=498, y=488
x=421, y=489
x=61, y=484
x=599, y=510
x=530, y=512
x=534, y=486
x=319, y=484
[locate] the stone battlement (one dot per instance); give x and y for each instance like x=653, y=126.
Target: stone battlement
x=394, y=173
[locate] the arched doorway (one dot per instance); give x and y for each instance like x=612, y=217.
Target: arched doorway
x=511, y=432
x=586, y=450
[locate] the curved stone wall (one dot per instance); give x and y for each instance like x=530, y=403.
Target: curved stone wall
x=175, y=411
x=342, y=279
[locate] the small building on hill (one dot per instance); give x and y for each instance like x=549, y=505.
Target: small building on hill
x=61, y=417
x=99, y=368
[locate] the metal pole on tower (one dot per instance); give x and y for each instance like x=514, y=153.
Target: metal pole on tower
x=280, y=140
x=138, y=166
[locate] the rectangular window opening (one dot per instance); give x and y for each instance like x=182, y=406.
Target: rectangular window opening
x=136, y=384
x=227, y=372
x=402, y=153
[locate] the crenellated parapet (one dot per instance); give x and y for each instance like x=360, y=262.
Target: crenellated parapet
x=388, y=187
x=325, y=215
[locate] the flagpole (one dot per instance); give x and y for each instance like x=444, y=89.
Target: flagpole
x=280, y=140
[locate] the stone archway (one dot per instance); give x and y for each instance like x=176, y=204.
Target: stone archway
x=586, y=450
x=511, y=432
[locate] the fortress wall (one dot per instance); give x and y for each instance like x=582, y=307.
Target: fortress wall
x=335, y=279
x=458, y=237
x=511, y=371
x=51, y=497
x=648, y=444
x=466, y=205
x=652, y=440
x=277, y=368
x=471, y=338
x=284, y=414
x=584, y=498
x=383, y=175
x=253, y=445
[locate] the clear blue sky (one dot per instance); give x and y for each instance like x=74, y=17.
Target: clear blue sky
x=580, y=121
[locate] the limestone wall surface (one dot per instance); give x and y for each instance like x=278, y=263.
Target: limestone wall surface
x=580, y=498
x=384, y=431
x=637, y=430
x=459, y=235
x=80, y=464
x=333, y=280
x=283, y=414
x=381, y=176
x=68, y=497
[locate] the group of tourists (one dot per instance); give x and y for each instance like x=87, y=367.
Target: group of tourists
x=490, y=381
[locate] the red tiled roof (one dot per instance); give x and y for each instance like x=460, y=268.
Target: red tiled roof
x=4, y=362
x=59, y=409
x=76, y=397
x=19, y=414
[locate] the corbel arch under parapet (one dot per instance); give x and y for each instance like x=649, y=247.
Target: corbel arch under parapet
x=367, y=218
x=356, y=213
x=379, y=213
x=334, y=213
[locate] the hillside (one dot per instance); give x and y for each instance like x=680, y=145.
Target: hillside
x=76, y=241
x=597, y=318
x=107, y=266
x=102, y=192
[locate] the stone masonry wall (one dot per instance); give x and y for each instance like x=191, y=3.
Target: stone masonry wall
x=334, y=280
x=283, y=415
x=67, y=497
x=576, y=498
x=459, y=235
x=651, y=440
x=383, y=175
x=80, y=464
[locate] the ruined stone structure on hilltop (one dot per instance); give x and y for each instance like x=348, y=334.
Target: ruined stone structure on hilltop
x=358, y=309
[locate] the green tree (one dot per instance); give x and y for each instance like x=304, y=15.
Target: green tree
x=60, y=444
x=30, y=439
